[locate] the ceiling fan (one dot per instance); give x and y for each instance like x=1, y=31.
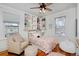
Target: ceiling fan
x=43, y=7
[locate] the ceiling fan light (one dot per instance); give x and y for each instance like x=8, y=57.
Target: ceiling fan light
x=44, y=11
x=40, y=11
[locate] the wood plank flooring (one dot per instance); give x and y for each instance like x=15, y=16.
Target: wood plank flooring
x=40, y=53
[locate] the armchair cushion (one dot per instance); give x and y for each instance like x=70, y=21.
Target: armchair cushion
x=17, y=37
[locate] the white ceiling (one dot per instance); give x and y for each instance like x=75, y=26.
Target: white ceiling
x=56, y=7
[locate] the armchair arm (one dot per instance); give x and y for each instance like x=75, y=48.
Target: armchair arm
x=24, y=44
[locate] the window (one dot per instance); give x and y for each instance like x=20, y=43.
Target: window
x=11, y=28
x=60, y=26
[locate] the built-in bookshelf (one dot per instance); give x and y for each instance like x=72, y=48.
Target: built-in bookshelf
x=35, y=24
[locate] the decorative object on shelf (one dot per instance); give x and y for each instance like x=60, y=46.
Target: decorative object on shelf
x=41, y=25
x=34, y=22
x=38, y=24
x=28, y=22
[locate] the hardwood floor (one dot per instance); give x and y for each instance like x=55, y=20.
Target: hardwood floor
x=40, y=53
x=4, y=53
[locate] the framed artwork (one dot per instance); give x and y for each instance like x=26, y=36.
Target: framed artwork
x=34, y=23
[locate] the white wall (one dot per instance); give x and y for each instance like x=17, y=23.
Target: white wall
x=78, y=19
x=3, y=45
x=3, y=42
x=1, y=26
x=49, y=25
x=69, y=24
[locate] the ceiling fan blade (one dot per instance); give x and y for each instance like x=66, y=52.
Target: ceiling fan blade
x=48, y=4
x=48, y=9
x=40, y=3
x=34, y=7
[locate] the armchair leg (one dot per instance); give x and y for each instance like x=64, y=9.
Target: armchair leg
x=14, y=54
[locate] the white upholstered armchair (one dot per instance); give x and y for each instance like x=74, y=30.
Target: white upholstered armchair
x=16, y=43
